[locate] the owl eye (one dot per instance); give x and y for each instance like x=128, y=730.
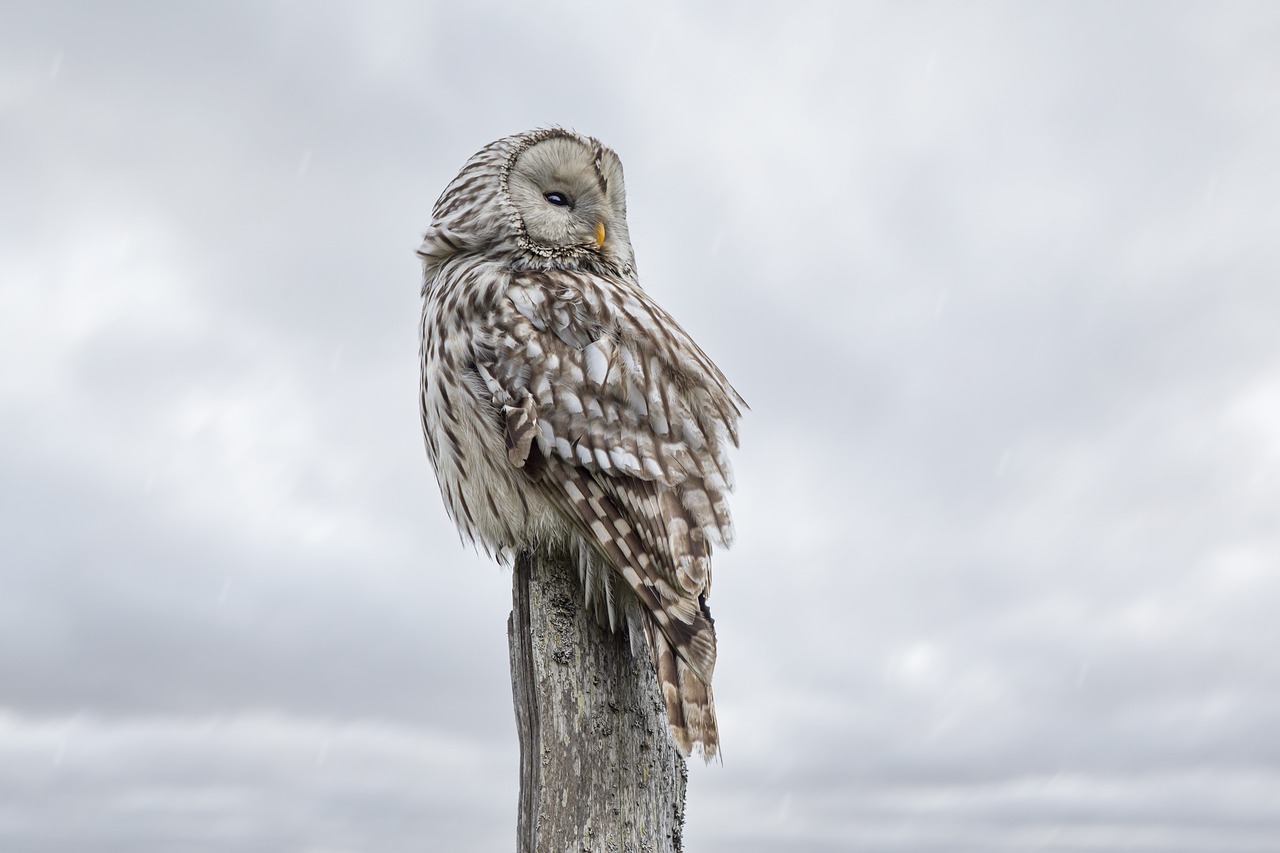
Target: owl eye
x=559, y=199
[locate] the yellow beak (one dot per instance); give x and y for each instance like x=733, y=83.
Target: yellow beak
x=599, y=234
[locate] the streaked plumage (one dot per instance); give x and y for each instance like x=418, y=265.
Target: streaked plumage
x=563, y=408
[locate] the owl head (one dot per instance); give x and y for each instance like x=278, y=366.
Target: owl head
x=546, y=199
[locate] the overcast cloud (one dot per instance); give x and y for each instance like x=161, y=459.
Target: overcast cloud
x=1001, y=283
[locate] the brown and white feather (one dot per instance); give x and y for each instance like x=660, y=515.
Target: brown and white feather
x=563, y=406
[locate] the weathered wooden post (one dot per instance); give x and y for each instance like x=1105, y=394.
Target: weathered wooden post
x=598, y=768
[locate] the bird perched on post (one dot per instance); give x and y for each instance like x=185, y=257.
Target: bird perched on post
x=563, y=408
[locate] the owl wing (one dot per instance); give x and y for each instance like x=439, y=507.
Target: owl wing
x=632, y=421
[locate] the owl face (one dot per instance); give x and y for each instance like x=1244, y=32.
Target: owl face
x=543, y=199
x=569, y=195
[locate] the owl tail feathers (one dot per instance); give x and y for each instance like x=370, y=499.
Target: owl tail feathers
x=691, y=710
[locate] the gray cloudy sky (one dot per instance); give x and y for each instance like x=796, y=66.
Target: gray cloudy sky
x=1000, y=282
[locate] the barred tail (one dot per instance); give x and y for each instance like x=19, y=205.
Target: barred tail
x=691, y=710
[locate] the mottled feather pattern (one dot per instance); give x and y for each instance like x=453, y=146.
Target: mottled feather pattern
x=564, y=408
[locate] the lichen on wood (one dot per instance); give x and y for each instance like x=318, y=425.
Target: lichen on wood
x=598, y=768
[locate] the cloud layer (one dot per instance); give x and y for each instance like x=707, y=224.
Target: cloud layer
x=997, y=280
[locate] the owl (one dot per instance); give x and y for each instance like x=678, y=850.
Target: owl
x=564, y=409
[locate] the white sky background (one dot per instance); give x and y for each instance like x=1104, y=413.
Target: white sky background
x=1001, y=283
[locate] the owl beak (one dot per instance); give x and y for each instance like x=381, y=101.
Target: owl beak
x=599, y=234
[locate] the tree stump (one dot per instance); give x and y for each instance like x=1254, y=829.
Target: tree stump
x=598, y=768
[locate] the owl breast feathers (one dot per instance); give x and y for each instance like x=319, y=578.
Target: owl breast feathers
x=563, y=408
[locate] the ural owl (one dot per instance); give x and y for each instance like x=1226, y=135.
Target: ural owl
x=564, y=409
